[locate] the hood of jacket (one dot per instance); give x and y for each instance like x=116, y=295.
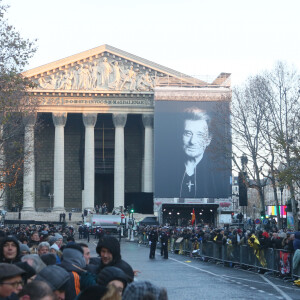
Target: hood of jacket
x=73, y=257
x=15, y=241
x=112, y=244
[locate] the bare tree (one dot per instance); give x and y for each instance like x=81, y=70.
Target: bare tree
x=282, y=98
x=15, y=53
x=248, y=109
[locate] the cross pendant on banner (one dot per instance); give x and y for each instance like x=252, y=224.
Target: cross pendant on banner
x=189, y=185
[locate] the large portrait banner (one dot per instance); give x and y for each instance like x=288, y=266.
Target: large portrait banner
x=192, y=149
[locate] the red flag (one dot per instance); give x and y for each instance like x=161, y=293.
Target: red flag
x=193, y=217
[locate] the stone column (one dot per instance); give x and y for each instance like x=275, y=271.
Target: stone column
x=119, y=166
x=59, y=120
x=89, y=121
x=148, y=154
x=29, y=164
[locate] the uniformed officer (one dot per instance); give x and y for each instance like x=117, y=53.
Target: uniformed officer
x=164, y=237
x=153, y=237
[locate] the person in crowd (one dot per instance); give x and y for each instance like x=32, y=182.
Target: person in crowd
x=74, y=263
x=153, y=237
x=37, y=290
x=113, y=276
x=98, y=292
x=86, y=252
x=9, y=250
x=34, y=261
x=57, y=278
x=34, y=240
x=109, y=250
x=142, y=290
x=164, y=238
x=24, y=249
x=54, y=249
x=43, y=248
x=49, y=259
x=29, y=274
x=296, y=242
x=11, y=282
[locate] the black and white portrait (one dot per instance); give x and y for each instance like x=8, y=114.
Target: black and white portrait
x=186, y=162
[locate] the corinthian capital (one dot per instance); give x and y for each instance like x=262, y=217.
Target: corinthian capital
x=59, y=119
x=29, y=119
x=89, y=120
x=147, y=120
x=119, y=120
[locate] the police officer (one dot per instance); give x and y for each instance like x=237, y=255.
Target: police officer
x=153, y=237
x=80, y=231
x=164, y=243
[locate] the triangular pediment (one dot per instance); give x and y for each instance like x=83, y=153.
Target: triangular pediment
x=106, y=68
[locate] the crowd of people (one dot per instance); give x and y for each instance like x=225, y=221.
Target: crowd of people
x=200, y=241
x=267, y=237
x=46, y=262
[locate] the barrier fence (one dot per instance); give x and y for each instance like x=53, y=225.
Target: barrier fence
x=277, y=261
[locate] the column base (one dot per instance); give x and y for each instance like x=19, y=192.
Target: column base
x=58, y=209
x=28, y=209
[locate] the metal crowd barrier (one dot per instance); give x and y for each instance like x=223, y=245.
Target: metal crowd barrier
x=277, y=261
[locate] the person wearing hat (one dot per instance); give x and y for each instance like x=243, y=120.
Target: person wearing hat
x=113, y=276
x=36, y=290
x=10, y=280
x=144, y=290
x=54, y=249
x=24, y=249
x=110, y=255
x=57, y=278
x=9, y=250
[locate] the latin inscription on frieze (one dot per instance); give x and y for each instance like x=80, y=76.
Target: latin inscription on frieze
x=61, y=101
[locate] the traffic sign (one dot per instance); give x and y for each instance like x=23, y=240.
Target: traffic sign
x=265, y=221
x=257, y=221
x=122, y=216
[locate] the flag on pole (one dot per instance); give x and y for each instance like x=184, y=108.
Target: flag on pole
x=193, y=217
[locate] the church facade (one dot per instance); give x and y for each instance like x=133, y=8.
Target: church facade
x=95, y=144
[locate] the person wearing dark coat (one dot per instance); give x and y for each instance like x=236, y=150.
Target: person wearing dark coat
x=164, y=243
x=109, y=250
x=74, y=263
x=296, y=242
x=153, y=237
x=9, y=250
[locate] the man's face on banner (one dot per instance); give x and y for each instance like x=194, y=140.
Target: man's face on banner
x=195, y=138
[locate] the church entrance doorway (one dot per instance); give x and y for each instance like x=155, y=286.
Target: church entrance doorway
x=104, y=190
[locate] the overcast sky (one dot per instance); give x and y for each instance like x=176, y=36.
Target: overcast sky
x=196, y=37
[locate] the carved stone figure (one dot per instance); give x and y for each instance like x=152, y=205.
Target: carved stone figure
x=76, y=78
x=66, y=81
x=130, y=78
x=59, y=80
x=117, y=71
x=145, y=82
x=94, y=75
x=99, y=75
x=105, y=70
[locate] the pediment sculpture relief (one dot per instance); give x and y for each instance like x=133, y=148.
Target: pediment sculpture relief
x=101, y=74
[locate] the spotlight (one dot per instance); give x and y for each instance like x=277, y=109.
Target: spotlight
x=211, y=210
x=178, y=213
x=170, y=213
